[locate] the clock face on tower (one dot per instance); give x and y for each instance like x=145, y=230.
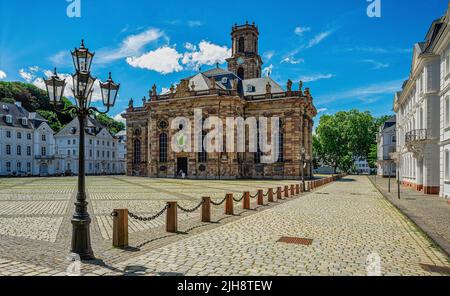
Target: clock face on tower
x=240, y=61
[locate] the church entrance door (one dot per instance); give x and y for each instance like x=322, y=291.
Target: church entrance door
x=182, y=166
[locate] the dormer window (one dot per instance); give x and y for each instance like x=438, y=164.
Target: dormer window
x=250, y=88
x=24, y=121
x=6, y=108
x=9, y=119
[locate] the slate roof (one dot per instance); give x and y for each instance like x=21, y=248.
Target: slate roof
x=259, y=86
x=17, y=113
x=390, y=122
x=93, y=127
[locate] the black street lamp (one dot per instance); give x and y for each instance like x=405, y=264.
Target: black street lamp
x=83, y=84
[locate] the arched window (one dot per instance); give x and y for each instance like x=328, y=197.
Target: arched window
x=281, y=143
x=163, y=148
x=137, y=152
x=241, y=44
x=258, y=149
x=203, y=156
x=240, y=73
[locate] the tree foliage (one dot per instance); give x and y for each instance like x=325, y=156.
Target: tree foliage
x=345, y=136
x=35, y=99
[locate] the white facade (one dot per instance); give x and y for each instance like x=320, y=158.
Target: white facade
x=101, y=150
x=421, y=117
x=362, y=167
x=387, y=146
x=21, y=141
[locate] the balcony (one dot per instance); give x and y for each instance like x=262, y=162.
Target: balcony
x=44, y=157
x=417, y=136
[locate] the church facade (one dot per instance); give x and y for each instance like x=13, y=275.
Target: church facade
x=238, y=91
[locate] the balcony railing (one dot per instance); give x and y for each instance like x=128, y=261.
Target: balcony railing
x=417, y=136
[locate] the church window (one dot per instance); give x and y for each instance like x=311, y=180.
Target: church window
x=241, y=44
x=137, y=152
x=250, y=88
x=163, y=148
x=203, y=155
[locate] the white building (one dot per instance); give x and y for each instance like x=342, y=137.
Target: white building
x=26, y=142
x=362, y=166
x=101, y=150
x=387, y=146
x=419, y=116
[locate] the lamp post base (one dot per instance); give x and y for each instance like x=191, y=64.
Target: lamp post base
x=81, y=239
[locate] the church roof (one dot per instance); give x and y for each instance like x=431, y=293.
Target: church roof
x=259, y=86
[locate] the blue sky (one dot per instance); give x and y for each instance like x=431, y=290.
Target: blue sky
x=347, y=59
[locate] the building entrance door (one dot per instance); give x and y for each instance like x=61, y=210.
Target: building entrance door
x=182, y=166
x=43, y=169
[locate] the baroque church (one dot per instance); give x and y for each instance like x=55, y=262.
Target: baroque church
x=238, y=91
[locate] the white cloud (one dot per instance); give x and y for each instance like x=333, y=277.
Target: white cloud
x=315, y=77
x=300, y=30
x=61, y=58
x=119, y=118
x=267, y=70
x=206, y=54
x=376, y=65
x=164, y=60
x=366, y=93
x=39, y=82
x=293, y=61
x=2, y=74
x=133, y=45
x=321, y=110
x=318, y=39
x=268, y=55
x=194, y=23
x=27, y=76
x=190, y=46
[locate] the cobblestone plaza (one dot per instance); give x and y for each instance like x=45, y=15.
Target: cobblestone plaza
x=348, y=222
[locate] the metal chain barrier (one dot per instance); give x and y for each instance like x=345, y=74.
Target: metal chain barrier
x=240, y=199
x=267, y=194
x=190, y=210
x=136, y=217
x=254, y=196
x=219, y=203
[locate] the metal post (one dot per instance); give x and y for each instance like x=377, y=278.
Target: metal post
x=292, y=190
x=260, y=197
x=246, y=201
x=206, y=209
x=171, y=218
x=279, y=196
x=120, y=228
x=81, y=238
x=271, y=195
x=286, y=191
x=229, y=208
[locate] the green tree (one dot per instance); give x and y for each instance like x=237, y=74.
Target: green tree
x=345, y=136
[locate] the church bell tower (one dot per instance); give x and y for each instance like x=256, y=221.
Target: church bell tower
x=245, y=62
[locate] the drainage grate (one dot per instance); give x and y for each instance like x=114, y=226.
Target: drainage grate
x=436, y=269
x=296, y=241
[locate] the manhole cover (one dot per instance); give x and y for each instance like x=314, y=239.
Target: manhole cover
x=322, y=193
x=436, y=269
x=296, y=241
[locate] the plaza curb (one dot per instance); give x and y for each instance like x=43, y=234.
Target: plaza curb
x=437, y=240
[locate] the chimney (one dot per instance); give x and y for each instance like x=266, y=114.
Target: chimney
x=18, y=104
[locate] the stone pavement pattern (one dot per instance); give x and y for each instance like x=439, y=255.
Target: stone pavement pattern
x=347, y=220
x=430, y=212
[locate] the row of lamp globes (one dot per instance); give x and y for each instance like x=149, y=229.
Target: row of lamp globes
x=83, y=82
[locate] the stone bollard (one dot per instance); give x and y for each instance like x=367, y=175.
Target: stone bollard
x=286, y=191
x=297, y=189
x=246, y=201
x=206, y=209
x=279, y=196
x=171, y=218
x=271, y=195
x=292, y=190
x=120, y=228
x=260, y=197
x=301, y=188
x=229, y=208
